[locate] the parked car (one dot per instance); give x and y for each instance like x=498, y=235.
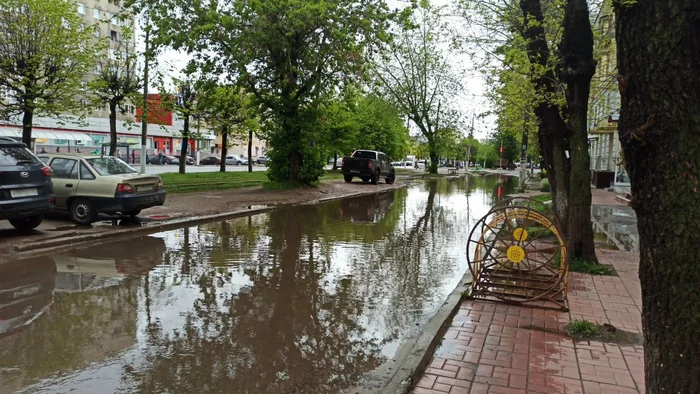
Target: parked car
x=237, y=160
x=211, y=160
x=190, y=160
x=86, y=185
x=164, y=159
x=26, y=190
x=261, y=160
x=368, y=165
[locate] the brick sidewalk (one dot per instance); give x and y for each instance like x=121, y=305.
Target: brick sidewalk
x=490, y=347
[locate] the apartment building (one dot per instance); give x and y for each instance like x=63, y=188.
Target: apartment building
x=604, y=108
x=108, y=18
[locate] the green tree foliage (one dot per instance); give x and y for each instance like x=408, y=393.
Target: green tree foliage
x=228, y=110
x=510, y=144
x=289, y=54
x=44, y=54
x=117, y=82
x=415, y=72
x=364, y=121
x=381, y=127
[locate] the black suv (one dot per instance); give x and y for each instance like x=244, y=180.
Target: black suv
x=26, y=191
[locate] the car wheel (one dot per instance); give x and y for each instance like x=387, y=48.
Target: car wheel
x=133, y=213
x=348, y=178
x=238, y=163
x=82, y=211
x=390, y=180
x=27, y=224
x=375, y=178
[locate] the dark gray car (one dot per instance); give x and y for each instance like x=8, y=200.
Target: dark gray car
x=26, y=191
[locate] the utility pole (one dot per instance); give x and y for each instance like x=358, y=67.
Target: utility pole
x=471, y=137
x=523, y=161
x=146, y=109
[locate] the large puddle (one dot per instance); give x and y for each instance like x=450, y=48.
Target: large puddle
x=309, y=299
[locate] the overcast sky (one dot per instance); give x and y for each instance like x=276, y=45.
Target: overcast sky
x=470, y=101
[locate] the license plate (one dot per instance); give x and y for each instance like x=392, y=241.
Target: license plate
x=24, y=192
x=144, y=188
x=355, y=171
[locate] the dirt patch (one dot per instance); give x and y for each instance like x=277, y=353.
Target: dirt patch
x=602, y=333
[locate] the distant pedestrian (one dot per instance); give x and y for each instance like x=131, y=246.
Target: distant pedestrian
x=119, y=154
x=43, y=150
x=133, y=157
x=58, y=149
x=77, y=150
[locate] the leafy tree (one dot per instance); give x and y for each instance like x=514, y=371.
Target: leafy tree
x=511, y=148
x=289, y=54
x=184, y=104
x=44, y=54
x=557, y=41
x=381, y=127
x=340, y=127
x=415, y=72
x=229, y=110
x=659, y=64
x=117, y=82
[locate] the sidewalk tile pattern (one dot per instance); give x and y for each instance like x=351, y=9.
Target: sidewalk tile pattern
x=498, y=348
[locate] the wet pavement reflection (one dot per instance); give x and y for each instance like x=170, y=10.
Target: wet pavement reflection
x=312, y=298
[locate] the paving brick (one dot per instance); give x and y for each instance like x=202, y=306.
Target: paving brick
x=499, y=348
x=453, y=382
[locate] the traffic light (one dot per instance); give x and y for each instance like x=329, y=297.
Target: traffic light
x=501, y=148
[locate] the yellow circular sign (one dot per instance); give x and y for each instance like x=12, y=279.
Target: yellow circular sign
x=516, y=254
x=520, y=234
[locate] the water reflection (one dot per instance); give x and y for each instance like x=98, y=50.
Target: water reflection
x=312, y=298
x=618, y=224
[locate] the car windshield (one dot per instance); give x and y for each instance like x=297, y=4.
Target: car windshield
x=363, y=154
x=14, y=155
x=110, y=166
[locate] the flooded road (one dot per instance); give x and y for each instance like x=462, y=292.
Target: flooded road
x=308, y=299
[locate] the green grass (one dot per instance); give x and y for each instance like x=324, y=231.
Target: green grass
x=582, y=329
x=589, y=267
x=208, y=181
x=542, y=197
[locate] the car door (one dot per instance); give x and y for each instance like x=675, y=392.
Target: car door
x=65, y=180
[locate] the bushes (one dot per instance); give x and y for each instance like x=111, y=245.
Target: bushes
x=544, y=185
x=543, y=173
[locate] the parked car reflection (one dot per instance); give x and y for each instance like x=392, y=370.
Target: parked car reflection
x=367, y=209
x=26, y=290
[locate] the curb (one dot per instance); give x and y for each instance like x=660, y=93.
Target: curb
x=63, y=243
x=421, y=353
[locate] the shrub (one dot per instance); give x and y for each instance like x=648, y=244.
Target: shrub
x=582, y=329
x=544, y=185
x=589, y=267
x=543, y=173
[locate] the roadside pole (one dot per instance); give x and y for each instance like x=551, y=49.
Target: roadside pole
x=145, y=110
x=523, y=163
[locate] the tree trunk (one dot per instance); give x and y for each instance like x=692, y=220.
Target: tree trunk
x=432, y=148
x=185, y=145
x=113, y=129
x=335, y=161
x=250, y=150
x=224, y=149
x=552, y=128
x=658, y=57
x=27, y=123
x=577, y=71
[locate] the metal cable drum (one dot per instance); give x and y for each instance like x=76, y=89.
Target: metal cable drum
x=517, y=254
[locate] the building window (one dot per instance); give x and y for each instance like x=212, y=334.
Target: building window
x=114, y=35
x=97, y=32
x=108, y=16
x=81, y=8
x=83, y=85
x=96, y=13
